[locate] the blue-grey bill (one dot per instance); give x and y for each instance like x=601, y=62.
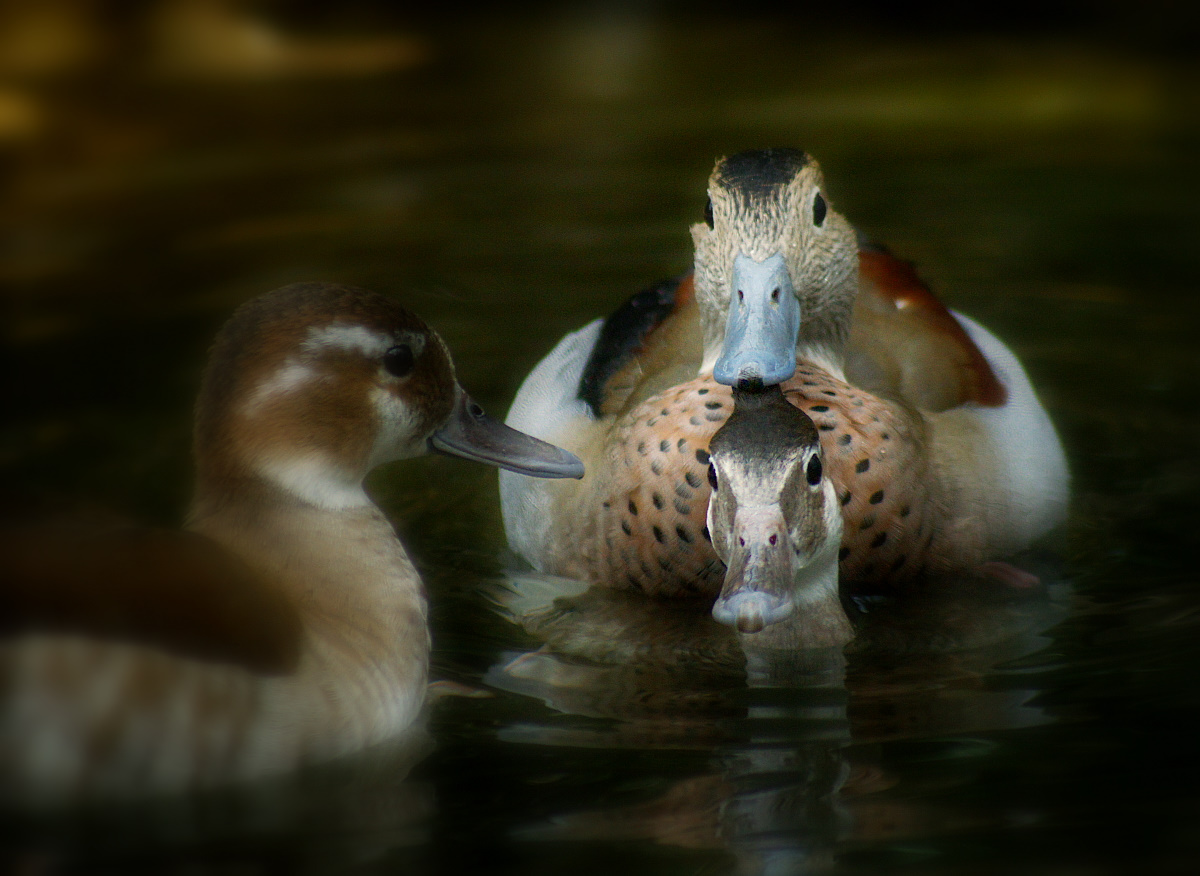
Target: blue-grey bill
x=764, y=320
x=750, y=611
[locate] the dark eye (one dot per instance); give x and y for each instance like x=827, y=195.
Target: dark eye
x=708, y=216
x=813, y=472
x=399, y=360
x=712, y=476
x=819, y=210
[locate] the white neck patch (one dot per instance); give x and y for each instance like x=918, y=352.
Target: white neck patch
x=316, y=480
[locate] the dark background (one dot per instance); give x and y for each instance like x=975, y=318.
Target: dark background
x=516, y=171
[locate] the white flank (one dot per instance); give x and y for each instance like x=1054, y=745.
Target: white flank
x=548, y=400
x=547, y=406
x=1029, y=456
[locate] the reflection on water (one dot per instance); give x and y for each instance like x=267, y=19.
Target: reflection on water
x=513, y=179
x=792, y=737
x=360, y=811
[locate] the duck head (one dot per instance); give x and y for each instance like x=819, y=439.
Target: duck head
x=776, y=523
x=310, y=387
x=776, y=269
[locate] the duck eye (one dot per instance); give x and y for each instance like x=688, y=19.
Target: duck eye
x=708, y=214
x=819, y=210
x=712, y=476
x=399, y=360
x=813, y=471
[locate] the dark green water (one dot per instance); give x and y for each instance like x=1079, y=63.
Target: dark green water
x=516, y=182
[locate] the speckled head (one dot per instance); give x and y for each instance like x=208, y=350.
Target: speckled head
x=776, y=268
x=773, y=515
x=311, y=386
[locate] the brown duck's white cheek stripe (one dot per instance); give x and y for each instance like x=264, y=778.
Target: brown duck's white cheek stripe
x=400, y=431
x=311, y=476
x=316, y=477
x=345, y=337
x=293, y=376
x=372, y=344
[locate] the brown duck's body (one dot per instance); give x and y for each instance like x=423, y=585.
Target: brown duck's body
x=940, y=453
x=279, y=674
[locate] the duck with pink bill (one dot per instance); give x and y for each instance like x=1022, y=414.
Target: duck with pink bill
x=776, y=524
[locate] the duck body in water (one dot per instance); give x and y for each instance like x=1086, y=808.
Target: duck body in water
x=286, y=625
x=941, y=455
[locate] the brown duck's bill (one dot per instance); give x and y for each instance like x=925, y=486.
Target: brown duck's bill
x=472, y=434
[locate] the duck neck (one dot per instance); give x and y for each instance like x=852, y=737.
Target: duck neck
x=299, y=476
x=345, y=570
x=828, y=357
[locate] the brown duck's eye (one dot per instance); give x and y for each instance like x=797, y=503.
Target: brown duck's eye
x=399, y=360
x=712, y=476
x=814, y=470
x=819, y=210
x=708, y=214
